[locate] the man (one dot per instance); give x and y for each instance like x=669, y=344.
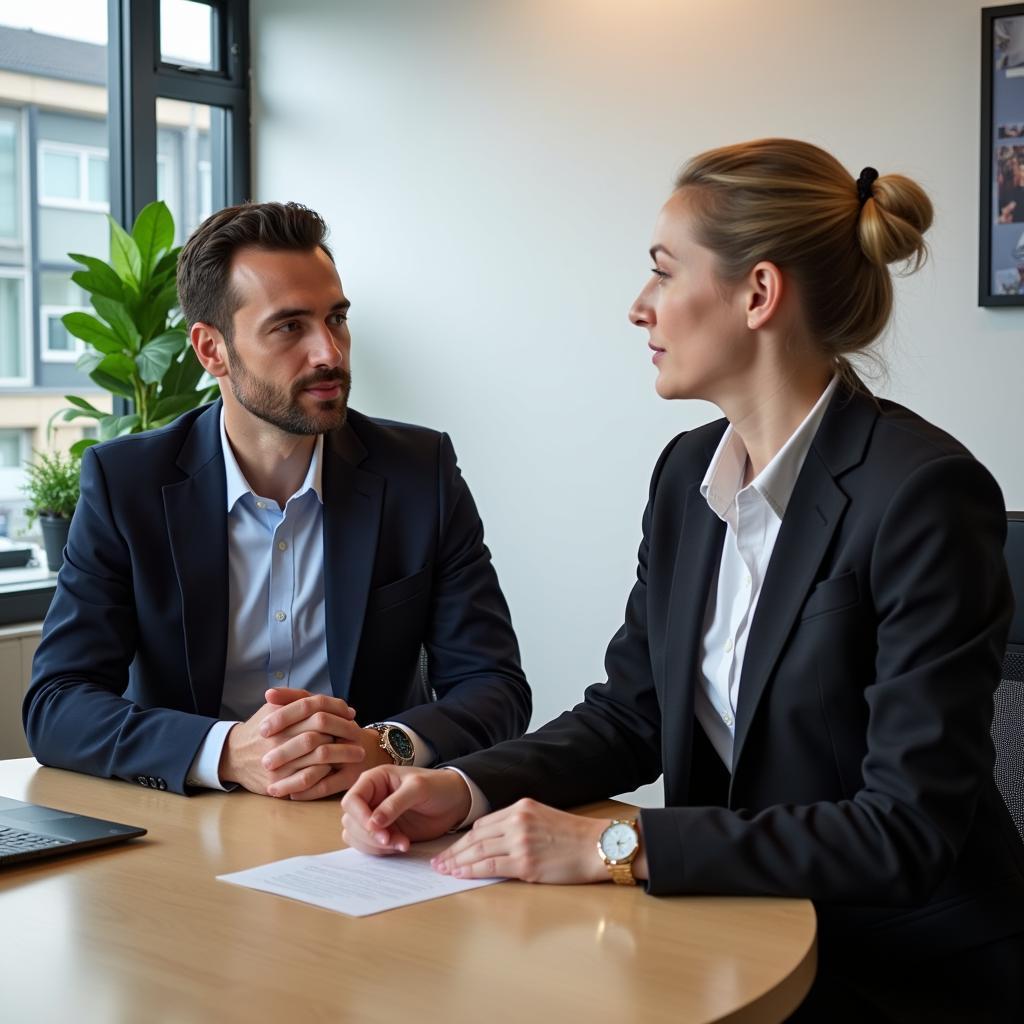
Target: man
x=246, y=592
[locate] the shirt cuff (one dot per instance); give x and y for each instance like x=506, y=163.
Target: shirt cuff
x=423, y=755
x=479, y=805
x=204, y=770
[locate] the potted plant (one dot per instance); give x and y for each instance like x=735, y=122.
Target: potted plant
x=52, y=491
x=137, y=344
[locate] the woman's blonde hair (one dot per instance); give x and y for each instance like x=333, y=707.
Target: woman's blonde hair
x=795, y=205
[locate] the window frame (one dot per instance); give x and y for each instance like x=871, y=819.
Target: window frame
x=137, y=77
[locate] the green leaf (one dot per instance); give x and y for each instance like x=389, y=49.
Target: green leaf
x=79, y=446
x=155, y=356
x=111, y=383
x=81, y=403
x=169, y=408
x=127, y=424
x=116, y=426
x=72, y=414
x=152, y=310
x=91, y=330
x=119, y=366
x=88, y=361
x=168, y=263
x=124, y=254
x=100, y=278
x=183, y=375
x=75, y=414
x=120, y=322
x=153, y=234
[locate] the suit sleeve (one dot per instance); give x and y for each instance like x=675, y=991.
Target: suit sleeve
x=942, y=604
x=75, y=714
x=610, y=742
x=473, y=656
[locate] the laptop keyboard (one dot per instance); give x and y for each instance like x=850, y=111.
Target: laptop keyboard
x=14, y=841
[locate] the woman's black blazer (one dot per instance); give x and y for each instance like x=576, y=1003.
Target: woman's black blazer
x=862, y=768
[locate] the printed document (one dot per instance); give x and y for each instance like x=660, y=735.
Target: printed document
x=354, y=883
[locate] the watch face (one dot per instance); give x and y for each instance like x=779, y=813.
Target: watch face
x=401, y=744
x=618, y=841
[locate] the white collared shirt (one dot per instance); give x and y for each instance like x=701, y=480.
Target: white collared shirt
x=276, y=621
x=753, y=516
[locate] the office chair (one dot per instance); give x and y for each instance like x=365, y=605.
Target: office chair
x=1008, y=722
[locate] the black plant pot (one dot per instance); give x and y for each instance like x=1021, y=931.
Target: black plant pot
x=55, y=537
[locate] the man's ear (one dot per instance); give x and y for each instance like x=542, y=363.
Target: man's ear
x=764, y=294
x=210, y=348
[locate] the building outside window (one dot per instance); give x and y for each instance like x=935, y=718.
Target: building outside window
x=54, y=199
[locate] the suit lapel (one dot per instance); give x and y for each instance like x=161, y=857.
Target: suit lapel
x=697, y=556
x=196, y=520
x=353, y=500
x=812, y=515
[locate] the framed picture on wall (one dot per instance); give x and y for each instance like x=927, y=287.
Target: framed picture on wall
x=1001, y=263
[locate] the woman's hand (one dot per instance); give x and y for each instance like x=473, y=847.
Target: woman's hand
x=529, y=841
x=388, y=808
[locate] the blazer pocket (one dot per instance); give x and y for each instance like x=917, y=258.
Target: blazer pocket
x=400, y=591
x=832, y=595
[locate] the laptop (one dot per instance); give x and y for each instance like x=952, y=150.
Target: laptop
x=30, y=832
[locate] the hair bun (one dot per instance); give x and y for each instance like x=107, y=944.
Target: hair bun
x=893, y=221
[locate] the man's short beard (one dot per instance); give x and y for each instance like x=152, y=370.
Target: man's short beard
x=284, y=411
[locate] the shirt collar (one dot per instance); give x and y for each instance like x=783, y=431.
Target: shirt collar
x=238, y=486
x=724, y=477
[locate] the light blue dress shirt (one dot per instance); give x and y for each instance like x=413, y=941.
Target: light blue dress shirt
x=276, y=634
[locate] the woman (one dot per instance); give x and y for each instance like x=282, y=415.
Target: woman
x=810, y=649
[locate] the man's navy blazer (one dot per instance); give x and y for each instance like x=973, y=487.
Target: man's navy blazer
x=862, y=764
x=128, y=675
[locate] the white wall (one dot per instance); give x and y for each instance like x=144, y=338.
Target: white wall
x=491, y=171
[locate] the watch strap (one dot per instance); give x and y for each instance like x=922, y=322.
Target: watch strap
x=622, y=871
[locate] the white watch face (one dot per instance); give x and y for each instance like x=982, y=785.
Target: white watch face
x=618, y=841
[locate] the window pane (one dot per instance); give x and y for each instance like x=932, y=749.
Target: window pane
x=10, y=449
x=8, y=179
x=99, y=191
x=12, y=359
x=190, y=161
x=58, y=339
x=186, y=34
x=60, y=175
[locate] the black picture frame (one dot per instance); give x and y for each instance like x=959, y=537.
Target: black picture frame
x=1001, y=214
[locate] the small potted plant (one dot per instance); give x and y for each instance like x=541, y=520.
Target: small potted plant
x=52, y=490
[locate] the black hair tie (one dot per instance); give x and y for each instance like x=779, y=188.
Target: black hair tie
x=867, y=178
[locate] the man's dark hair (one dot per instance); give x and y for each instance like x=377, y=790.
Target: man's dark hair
x=204, y=266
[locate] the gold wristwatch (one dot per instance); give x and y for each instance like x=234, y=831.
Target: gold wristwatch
x=618, y=846
x=395, y=743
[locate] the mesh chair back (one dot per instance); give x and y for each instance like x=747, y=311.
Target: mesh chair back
x=1008, y=721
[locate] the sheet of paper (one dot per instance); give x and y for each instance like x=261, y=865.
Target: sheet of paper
x=353, y=883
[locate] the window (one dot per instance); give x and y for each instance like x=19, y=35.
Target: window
x=10, y=177
x=14, y=341
x=69, y=106
x=187, y=34
x=12, y=443
x=73, y=177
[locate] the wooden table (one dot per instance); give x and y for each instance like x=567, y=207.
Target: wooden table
x=144, y=932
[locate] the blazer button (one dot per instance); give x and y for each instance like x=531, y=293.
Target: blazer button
x=160, y=784
x=142, y=780
x=152, y=781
